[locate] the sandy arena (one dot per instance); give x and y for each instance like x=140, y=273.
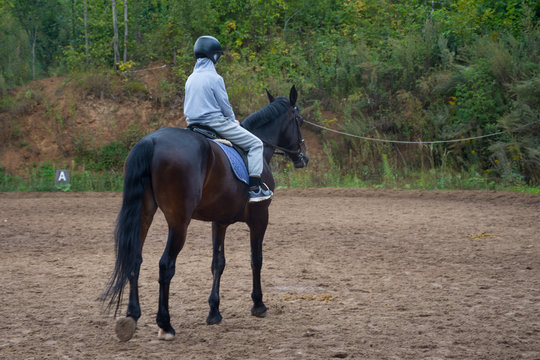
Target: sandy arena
x=348, y=273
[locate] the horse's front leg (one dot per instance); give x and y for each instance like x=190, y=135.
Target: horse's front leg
x=257, y=224
x=218, y=264
x=167, y=265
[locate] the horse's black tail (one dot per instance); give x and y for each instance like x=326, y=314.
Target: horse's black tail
x=127, y=236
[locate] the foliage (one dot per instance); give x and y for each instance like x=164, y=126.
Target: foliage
x=135, y=88
x=13, y=64
x=42, y=179
x=519, y=155
x=109, y=156
x=433, y=179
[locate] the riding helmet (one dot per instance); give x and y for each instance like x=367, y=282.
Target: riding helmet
x=208, y=47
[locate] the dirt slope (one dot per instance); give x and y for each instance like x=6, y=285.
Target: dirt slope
x=53, y=116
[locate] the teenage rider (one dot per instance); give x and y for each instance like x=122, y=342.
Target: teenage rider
x=207, y=103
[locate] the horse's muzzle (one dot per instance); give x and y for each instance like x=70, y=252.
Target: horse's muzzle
x=301, y=161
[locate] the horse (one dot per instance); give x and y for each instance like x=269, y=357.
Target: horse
x=188, y=177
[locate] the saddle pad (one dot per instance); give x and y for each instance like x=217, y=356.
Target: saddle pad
x=237, y=163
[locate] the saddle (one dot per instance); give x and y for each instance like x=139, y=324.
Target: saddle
x=236, y=155
x=209, y=133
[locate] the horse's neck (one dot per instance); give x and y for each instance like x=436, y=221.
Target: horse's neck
x=270, y=132
x=267, y=137
x=268, y=153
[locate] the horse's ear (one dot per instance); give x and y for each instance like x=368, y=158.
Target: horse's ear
x=293, y=96
x=270, y=97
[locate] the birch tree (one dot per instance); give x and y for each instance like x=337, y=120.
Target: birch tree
x=125, y=29
x=115, y=28
x=86, y=41
x=29, y=13
x=14, y=51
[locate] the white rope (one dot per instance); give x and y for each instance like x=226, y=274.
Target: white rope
x=159, y=67
x=403, y=142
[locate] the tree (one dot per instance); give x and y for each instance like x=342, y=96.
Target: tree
x=14, y=51
x=86, y=41
x=47, y=27
x=125, y=29
x=115, y=43
x=29, y=13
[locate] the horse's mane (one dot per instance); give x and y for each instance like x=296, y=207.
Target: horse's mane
x=270, y=112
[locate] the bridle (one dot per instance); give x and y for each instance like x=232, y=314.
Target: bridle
x=299, y=145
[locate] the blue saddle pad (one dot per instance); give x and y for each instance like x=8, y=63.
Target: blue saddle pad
x=237, y=163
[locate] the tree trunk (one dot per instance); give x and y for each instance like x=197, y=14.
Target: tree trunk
x=34, y=40
x=87, y=45
x=125, y=28
x=72, y=42
x=115, y=44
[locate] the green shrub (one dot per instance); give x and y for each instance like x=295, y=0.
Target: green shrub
x=109, y=156
x=97, y=181
x=165, y=93
x=135, y=88
x=97, y=83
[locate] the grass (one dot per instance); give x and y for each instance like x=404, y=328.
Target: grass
x=428, y=180
x=42, y=178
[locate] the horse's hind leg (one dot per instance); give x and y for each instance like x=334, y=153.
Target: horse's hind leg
x=125, y=327
x=257, y=223
x=148, y=210
x=218, y=265
x=167, y=265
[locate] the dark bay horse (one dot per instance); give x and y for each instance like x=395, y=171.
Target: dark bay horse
x=188, y=177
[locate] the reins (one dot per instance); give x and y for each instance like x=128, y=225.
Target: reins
x=285, y=151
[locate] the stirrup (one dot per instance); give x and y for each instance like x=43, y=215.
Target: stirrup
x=260, y=194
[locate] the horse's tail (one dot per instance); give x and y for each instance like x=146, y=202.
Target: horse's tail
x=127, y=236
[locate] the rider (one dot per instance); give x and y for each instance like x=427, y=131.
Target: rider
x=207, y=103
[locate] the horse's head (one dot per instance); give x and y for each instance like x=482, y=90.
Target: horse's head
x=290, y=140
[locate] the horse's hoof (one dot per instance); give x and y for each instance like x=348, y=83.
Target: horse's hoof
x=163, y=335
x=125, y=328
x=259, y=311
x=214, y=320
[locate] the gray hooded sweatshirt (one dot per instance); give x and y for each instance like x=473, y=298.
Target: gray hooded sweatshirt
x=206, y=97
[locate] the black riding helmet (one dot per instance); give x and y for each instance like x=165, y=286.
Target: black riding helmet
x=208, y=47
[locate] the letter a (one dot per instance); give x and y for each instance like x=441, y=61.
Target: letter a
x=62, y=176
